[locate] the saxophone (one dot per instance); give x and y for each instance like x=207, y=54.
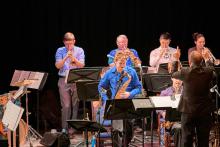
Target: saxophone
x=123, y=88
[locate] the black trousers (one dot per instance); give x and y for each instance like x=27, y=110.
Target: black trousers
x=195, y=126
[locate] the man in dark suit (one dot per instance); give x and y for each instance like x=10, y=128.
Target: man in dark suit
x=196, y=103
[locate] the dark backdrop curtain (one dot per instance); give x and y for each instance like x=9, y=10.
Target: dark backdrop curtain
x=33, y=30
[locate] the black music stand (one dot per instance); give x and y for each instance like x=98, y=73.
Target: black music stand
x=82, y=77
x=143, y=69
x=185, y=63
x=86, y=125
x=156, y=82
x=135, y=108
x=163, y=68
x=87, y=91
x=86, y=73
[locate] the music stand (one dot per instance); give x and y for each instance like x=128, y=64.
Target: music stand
x=33, y=80
x=86, y=125
x=141, y=70
x=185, y=63
x=156, y=82
x=163, y=68
x=135, y=108
x=86, y=73
x=87, y=91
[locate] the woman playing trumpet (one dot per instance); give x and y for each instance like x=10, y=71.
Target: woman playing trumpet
x=207, y=55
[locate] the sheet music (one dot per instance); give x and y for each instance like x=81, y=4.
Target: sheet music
x=141, y=103
x=36, y=78
x=165, y=101
x=19, y=75
x=12, y=115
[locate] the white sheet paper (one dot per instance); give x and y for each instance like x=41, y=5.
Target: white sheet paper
x=30, y=79
x=12, y=115
x=36, y=78
x=165, y=101
x=141, y=103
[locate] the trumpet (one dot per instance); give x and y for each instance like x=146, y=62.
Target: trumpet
x=211, y=56
x=70, y=56
x=135, y=60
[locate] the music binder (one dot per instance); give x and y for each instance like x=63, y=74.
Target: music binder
x=38, y=78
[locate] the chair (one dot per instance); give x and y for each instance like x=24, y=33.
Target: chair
x=170, y=128
x=103, y=138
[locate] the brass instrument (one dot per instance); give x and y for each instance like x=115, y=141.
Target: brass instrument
x=123, y=88
x=70, y=54
x=211, y=56
x=135, y=60
x=175, y=65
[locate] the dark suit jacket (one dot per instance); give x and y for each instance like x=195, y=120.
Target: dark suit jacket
x=196, y=98
x=207, y=63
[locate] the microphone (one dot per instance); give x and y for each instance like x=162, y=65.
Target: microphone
x=213, y=88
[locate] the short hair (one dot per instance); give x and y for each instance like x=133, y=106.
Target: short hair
x=120, y=55
x=195, y=58
x=68, y=36
x=122, y=36
x=166, y=36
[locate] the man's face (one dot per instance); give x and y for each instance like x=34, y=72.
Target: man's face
x=122, y=43
x=176, y=82
x=164, y=43
x=69, y=44
x=120, y=64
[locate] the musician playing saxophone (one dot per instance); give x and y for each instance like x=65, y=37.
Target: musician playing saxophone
x=116, y=79
x=208, y=57
x=132, y=55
